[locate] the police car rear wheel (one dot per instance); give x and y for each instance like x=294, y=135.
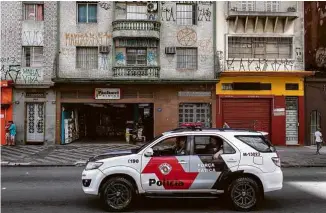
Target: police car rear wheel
x=117, y=194
x=244, y=194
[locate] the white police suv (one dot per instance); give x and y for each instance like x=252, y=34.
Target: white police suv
x=188, y=162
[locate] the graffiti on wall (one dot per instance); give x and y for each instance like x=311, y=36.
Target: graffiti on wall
x=321, y=57
x=204, y=14
x=187, y=36
x=299, y=54
x=104, y=61
x=87, y=39
x=167, y=12
x=104, y=5
x=151, y=57
x=12, y=70
x=120, y=58
x=32, y=38
x=260, y=65
x=219, y=61
x=203, y=10
x=29, y=75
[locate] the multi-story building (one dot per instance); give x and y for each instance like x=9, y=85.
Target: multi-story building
x=315, y=60
x=124, y=62
x=260, y=50
x=28, y=48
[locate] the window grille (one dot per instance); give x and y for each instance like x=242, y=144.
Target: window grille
x=195, y=112
x=32, y=56
x=87, y=57
x=186, y=14
x=87, y=12
x=315, y=121
x=260, y=47
x=137, y=12
x=136, y=56
x=34, y=12
x=187, y=58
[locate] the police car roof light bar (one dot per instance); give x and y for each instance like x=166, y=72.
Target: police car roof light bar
x=193, y=126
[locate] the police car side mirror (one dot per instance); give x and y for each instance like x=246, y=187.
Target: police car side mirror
x=149, y=152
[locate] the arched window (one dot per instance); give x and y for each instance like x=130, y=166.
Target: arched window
x=315, y=121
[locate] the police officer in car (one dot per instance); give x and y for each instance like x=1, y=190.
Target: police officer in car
x=179, y=148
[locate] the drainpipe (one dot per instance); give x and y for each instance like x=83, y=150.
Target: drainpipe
x=214, y=38
x=58, y=40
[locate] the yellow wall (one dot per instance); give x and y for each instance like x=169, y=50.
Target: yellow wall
x=278, y=86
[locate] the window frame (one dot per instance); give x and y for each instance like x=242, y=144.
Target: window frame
x=186, y=56
x=188, y=145
x=32, y=56
x=193, y=11
x=86, y=3
x=35, y=10
x=136, y=48
x=87, y=47
x=136, y=5
x=255, y=41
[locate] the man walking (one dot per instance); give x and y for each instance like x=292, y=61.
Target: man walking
x=12, y=133
x=318, y=139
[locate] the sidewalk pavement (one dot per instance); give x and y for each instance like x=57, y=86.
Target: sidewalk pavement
x=78, y=154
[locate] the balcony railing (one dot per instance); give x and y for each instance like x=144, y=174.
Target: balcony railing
x=282, y=7
x=136, y=72
x=142, y=25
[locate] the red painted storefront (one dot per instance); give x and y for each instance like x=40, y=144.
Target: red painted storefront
x=6, y=107
x=277, y=128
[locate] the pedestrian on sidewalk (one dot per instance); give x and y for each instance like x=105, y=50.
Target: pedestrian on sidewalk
x=318, y=139
x=12, y=132
x=7, y=133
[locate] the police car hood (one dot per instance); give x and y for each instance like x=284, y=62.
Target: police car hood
x=111, y=154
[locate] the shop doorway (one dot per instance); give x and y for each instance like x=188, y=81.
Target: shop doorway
x=104, y=123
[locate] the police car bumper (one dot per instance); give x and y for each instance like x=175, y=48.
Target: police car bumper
x=91, y=180
x=273, y=181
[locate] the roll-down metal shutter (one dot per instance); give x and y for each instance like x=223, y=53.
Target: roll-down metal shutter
x=247, y=113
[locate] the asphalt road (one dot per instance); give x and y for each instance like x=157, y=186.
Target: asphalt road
x=45, y=190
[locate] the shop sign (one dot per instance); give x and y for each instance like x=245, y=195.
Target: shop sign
x=107, y=93
x=194, y=94
x=279, y=112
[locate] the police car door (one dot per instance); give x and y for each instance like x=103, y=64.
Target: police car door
x=166, y=170
x=210, y=169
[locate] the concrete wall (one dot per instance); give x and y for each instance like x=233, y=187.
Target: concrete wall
x=74, y=34
x=16, y=33
x=293, y=28
x=200, y=35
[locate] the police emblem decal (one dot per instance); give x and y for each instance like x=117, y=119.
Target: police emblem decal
x=165, y=168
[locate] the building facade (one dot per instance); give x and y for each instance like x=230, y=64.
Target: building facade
x=28, y=49
x=260, y=53
x=122, y=63
x=315, y=52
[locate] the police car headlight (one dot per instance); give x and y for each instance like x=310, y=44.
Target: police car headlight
x=93, y=165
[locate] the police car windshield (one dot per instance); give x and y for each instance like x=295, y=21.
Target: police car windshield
x=147, y=143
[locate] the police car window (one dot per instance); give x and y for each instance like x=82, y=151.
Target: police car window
x=228, y=149
x=207, y=145
x=256, y=142
x=171, y=147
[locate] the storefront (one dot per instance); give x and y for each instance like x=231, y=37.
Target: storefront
x=101, y=113
x=271, y=102
x=6, y=107
x=315, y=98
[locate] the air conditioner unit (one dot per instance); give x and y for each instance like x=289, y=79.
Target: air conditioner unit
x=152, y=6
x=170, y=50
x=104, y=49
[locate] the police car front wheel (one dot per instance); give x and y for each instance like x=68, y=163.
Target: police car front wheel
x=117, y=194
x=244, y=194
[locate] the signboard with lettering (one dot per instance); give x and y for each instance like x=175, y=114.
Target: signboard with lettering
x=194, y=94
x=107, y=93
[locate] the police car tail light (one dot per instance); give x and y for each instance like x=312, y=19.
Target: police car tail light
x=277, y=161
